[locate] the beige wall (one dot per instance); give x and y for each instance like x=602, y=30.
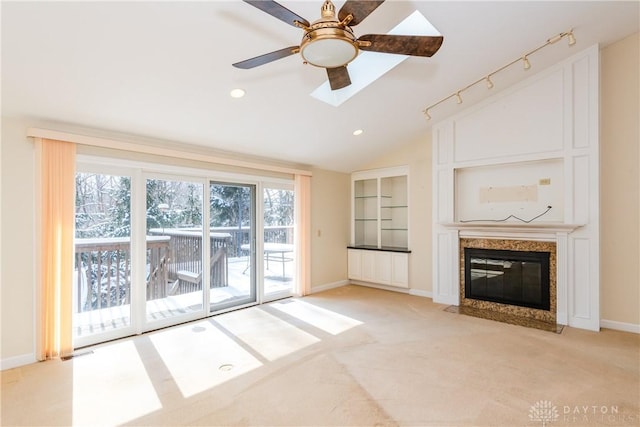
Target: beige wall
x=619, y=181
x=417, y=155
x=17, y=296
x=330, y=216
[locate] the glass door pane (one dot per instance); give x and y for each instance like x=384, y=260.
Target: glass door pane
x=366, y=212
x=102, y=261
x=279, y=258
x=233, y=239
x=394, y=210
x=174, y=253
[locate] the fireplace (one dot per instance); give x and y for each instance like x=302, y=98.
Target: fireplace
x=529, y=266
x=508, y=277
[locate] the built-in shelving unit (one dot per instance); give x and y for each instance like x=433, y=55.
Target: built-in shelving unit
x=379, y=249
x=381, y=208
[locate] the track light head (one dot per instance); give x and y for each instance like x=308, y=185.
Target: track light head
x=426, y=114
x=489, y=82
x=572, y=38
x=525, y=62
x=458, y=98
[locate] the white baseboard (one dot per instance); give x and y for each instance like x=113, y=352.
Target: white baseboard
x=17, y=361
x=414, y=292
x=379, y=286
x=328, y=286
x=421, y=293
x=620, y=326
x=446, y=300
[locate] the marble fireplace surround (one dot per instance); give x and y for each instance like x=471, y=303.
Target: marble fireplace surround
x=544, y=237
x=547, y=316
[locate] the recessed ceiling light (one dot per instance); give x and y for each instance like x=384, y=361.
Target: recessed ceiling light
x=357, y=132
x=237, y=93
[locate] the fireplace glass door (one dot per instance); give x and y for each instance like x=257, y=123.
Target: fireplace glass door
x=508, y=277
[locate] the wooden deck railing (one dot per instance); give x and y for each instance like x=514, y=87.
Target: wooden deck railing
x=103, y=268
x=103, y=271
x=241, y=236
x=174, y=263
x=185, y=253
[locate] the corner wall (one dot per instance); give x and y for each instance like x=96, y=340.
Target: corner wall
x=330, y=201
x=17, y=283
x=417, y=155
x=619, y=184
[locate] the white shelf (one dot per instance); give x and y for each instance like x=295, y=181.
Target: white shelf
x=539, y=227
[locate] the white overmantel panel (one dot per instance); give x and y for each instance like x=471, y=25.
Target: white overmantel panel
x=481, y=134
x=552, y=116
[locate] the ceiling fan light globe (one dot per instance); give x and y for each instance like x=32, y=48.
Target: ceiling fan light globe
x=329, y=52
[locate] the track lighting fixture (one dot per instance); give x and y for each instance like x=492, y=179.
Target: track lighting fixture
x=487, y=79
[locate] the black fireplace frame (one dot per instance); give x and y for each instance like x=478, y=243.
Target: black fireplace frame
x=513, y=256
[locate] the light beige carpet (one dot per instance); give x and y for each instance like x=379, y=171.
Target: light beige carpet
x=352, y=356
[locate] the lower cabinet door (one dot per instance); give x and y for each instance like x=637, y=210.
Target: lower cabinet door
x=383, y=268
x=354, y=264
x=369, y=266
x=400, y=270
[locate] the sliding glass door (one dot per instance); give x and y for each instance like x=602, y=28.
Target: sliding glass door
x=175, y=274
x=153, y=249
x=278, y=244
x=232, y=226
x=102, y=292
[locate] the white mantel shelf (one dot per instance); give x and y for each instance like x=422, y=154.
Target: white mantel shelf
x=513, y=227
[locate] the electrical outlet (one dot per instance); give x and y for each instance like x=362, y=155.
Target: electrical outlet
x=545, y=181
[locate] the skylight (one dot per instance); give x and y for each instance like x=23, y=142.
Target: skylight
x=370, y=66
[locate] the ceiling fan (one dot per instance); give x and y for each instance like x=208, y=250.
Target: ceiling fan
x=330, y=43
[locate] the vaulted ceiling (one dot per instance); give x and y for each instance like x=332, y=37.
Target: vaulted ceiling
x=163, y=70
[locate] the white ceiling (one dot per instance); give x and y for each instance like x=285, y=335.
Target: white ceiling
x=163, y=70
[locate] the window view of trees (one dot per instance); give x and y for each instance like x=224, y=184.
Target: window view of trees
x=103, y=205
x=278, y=207
x=230, y=205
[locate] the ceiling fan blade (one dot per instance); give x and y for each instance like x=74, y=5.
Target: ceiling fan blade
x=358, y=9
x=267, y=57
x=338, y=77
x=404, y=45
x=278, y=11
